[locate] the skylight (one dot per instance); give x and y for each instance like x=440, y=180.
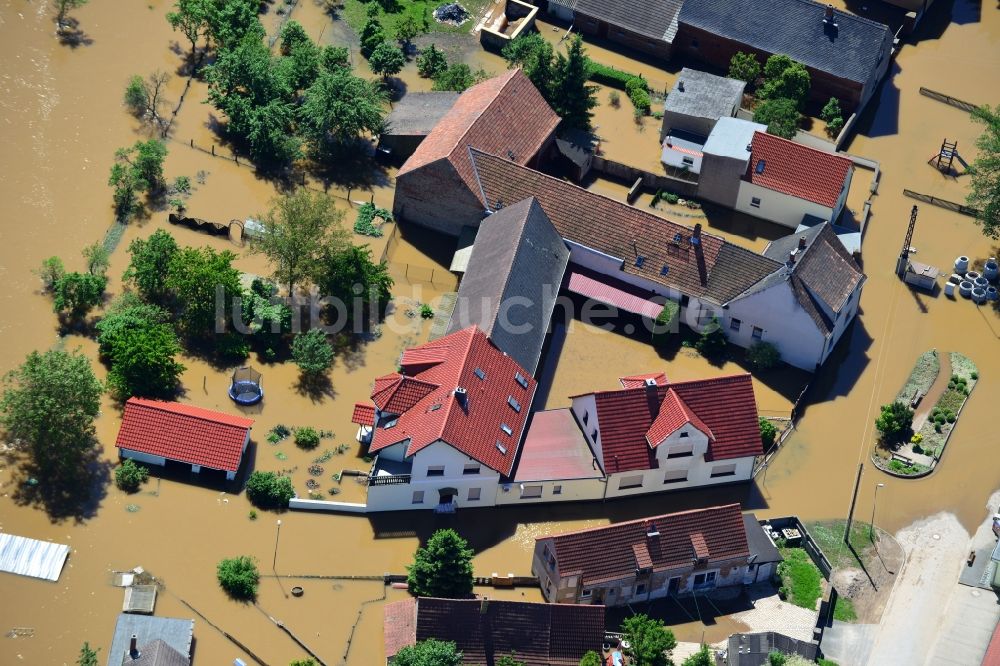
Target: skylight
x=519, y=378
x=501, y=448
x=759, y=169
x=506, y=429
x=479, y=373
x=433, y=408
x=515, y=405
x=639, y=261
x=664, y=270
x=390, y=424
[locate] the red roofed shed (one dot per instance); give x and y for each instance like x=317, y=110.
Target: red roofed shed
x=154, y=432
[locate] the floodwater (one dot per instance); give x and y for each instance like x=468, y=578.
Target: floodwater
x=61, y=122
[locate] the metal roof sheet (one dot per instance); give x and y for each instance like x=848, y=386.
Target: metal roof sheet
x=31, y=557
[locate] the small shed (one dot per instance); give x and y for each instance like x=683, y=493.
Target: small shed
x=412, y=118
x=921, y=275
x=698, y=100
x=578, y=148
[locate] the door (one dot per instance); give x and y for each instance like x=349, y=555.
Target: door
x=673, y=586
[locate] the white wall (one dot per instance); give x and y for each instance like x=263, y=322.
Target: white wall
x=786, y=325
x=778, y=207
x=699, y=473
x=143, y=457
x=571, y=490
x=586, y=405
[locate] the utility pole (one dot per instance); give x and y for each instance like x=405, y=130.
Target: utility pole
x=854, y=500
x=871, y=525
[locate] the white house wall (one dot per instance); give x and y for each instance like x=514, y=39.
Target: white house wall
x=847, y=315
x=778, y=207
x=699, y=473
x=138, y=456
x=786, y=325
x=573, y=490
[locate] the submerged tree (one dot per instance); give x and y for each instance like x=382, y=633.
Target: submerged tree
x=431, y=62
x=312, y=353
x=239, y=577
x=984, y=194
x=149, y=264
x=63, y=7
x=573, y=96
x=88, y=656
x=338, y=109
x=140, y=347
x=650, y=640
x=144, y=97
x=442, y=568
x=191, y=19
x=386, y=60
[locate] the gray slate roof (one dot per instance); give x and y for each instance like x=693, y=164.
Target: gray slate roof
x=418, y=112
x=705, y=95
x=753, y=649
x=517, y=254
x=158, y=653
x=795, y=27
x=175, y=632
x=651, y=18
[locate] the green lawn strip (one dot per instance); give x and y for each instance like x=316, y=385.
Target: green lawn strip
x=844, y=610
x=922, y=377
x=934, y=433
x=354, y=13
x=829, y=536
x=800, y=578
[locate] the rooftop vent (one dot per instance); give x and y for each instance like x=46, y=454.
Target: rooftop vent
x=749, y=147
x=499, y=204
x=462, y=396
x=680, y=85
x=802, y=242
x=678, y=237
x=639, y=261
x=510, y=155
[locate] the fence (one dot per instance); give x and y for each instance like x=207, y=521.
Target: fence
x=948, y=99
x=651, y=180
x=942, y=203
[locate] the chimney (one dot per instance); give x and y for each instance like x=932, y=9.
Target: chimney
x=802, y=242
x=650, y=382
x=680, y=85
x=484, y=605
x=651, y=531
x=828, y=14
x=462, y=396
x=791, y=258
x=749, y=147
x=699, y=255
x=133, y=647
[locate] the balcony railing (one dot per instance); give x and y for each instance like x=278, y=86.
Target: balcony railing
x=388, y=480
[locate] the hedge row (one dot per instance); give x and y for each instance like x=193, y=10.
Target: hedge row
x=610, y=76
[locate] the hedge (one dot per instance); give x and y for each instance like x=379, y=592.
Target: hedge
x=610, y=76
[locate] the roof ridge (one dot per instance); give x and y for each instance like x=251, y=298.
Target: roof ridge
x=627, y=523
x=711, y=380
x=156, y=404
x=847, y=14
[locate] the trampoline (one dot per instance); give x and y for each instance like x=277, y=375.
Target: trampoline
x=245, y=389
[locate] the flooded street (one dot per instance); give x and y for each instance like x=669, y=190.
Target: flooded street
x=62, y=120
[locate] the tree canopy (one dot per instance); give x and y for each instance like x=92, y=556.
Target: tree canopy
x=984, y=193
x=703, y=657
x=781, y=116
x=561, y=79
x=338, y=108
x=895, y=421
x=88, y=656
x=312, y=353
x=239, y=577
x=203, y=283
x=785, y=78
x=744, y=67
x=149, y=263
x=429, y=652
x=140, y=346
x=650, y=640
x=350, y=276
x=76, y=294
x=431, y=62
x=268, y=490
x=386, y=60
x=442, y=568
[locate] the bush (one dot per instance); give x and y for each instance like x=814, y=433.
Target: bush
x=831, y=111
x=614, y=98
x=239, y=577
x=834, y=127
x=639, y=94
x=781, y=116
x=129, y=476
x=894, y=422
x=666, y=323
x=269, y=490
x=768, y=432
x=431, y=62
x=763, y=355
x=610, y=76
x=671, y=198
x=365, y=224
x=306, y=438
x=712, y=341
x=426, y=311
x=311, y=352
x=591, y=658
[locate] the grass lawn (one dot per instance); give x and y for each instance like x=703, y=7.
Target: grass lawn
x=925, y=371
x=420, y=10
x=829, y=536
x=844, y=610
x=800, y=578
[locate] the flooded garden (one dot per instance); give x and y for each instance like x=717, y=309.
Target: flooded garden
x=62, y=121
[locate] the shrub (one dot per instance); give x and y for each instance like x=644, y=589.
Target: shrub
x=129, y=476
x=426, y=311
x=671, y=198
x=239, y=577
x=431, y=62
x=269, y=490
x=306, y=437
x=252, y=515
x=639, y=94
x=610, y=76
x=918, y=449
x=831, y=111
x=974, y=375
x=442, y=568
x=365, y=224
x=50, y=272
x=763, y=355
x=895, y=421
x=614, y=98
x=311, y=352
x=834, y=127
x=781, y=116
x=591, y=658
x=712, y=341
x=768, y=432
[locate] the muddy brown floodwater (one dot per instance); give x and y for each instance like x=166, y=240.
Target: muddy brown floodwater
x=62, y=119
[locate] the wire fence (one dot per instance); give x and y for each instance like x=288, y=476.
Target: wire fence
x=948, y=99
x=942, y=203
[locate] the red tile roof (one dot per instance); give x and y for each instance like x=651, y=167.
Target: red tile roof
x=642, y=558
x=423, y=397
x=699, y=545
x=602, y=554
x=555, y=448
x=723, y=407
x=363, y=414
x=635, y=381
x=539, y=634
x=505, y=115
x=797, y=170
x=992, y=656
x=184, y=433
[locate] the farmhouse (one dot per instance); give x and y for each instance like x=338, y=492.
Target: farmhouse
x=484, y=630
x=156, y=432
x=648, y=26
x=668, y=555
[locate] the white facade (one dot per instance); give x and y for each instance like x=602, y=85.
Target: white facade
x=785, y=209
x=543, y=492
x=139, y=456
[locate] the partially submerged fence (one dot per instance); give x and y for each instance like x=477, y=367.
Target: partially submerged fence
x=942, y=203
x=948, y=99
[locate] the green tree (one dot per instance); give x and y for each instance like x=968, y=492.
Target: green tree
x=457, y=77
x=351, y=275
x=763, y=355
x=203, y=283
x=232, y=22
x=768, y=432
x=535, y=57
x=442, y=568
x=141, y=348
x=301, y=67
x=372, y=34
x=145, y=162
x=984, y=194
x=785, y=78
x=406, y=30
x=776, y=65
x=650, y=640
x=386, y=60
x=63, y=7
x=239, y=577
x=744, y=67
x=126, y=191
x=895, y=422
x=88, y=656
x=97, y=257
x=50, y=272
x=135, y=95
x=431, y=62
x=339, y=108
x=703, y=657
x=831, y=110
x=429, y=652
x=591, y=658
x=299, y=230
x=573, y=96
x=781, y=116
x=149, y=264
x=266, y=318
x=191, y=19
x=129, y=476
x=268, y=490
x=312, y=353
x=292, y=33
x=49, y=406
x=76, y=294
x=711, y=343
x=332, y=58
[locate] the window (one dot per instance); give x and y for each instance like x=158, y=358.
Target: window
x=550, y=558
x=593, y=435
x=734, y=324
x=418, y=497
x=687, y=160
x=640, y=589
x=557, y=490
x=680, y=451
x=755, y=202
x=531, y=492
x=759, y=169
x=627, y=482
x=519, y=378
x=506, y=429
x=683, y=434
x=705, y=579
x=514, y=404
x=675, y=476
x=471, y=468
x=474, y=494
x=435, y=470
x=501, y=448
x=724, y=470
x=586, y=593
x=586, y=417
x=758, y=333
x=479, y=373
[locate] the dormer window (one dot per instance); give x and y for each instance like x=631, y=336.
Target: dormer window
x=586, y=417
